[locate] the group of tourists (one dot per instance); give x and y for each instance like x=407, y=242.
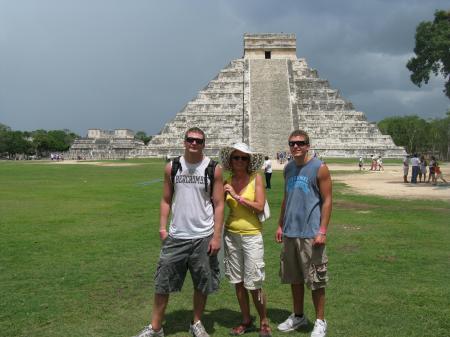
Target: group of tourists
x=283, y=157
x=56, y=156
x=376, y=163
x=194, y=196
x=419, y=165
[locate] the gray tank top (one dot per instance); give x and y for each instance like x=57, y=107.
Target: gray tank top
x=303, y=200
x=192, y=209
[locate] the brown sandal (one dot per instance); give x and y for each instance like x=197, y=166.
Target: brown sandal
x=265, y=331
x=242, y=329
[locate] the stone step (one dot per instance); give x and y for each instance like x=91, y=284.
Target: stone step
x=271, y=118
x=214, y=96
x=303, y=105
x=311, y=83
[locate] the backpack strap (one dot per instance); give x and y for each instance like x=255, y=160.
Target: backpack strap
x=209, y=173
x=176, y=166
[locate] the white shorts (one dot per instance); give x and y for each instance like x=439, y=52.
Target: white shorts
x=405, y=170
x=244, y=259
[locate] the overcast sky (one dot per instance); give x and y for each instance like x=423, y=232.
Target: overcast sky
x=134, y=64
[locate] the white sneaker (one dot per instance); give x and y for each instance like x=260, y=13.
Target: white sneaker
x=149, y=332
x=320, y=328
x=198, y=330
x=292, y=323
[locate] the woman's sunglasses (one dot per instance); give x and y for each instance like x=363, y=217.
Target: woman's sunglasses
x=243, y=158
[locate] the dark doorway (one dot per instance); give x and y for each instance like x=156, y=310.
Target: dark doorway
x=267, y=54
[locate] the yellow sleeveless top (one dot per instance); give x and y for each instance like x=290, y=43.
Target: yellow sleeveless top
x=243, y=220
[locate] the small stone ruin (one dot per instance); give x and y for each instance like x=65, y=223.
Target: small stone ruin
x=106, y=144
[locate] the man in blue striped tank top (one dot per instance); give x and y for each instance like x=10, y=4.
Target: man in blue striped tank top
x=302, y=229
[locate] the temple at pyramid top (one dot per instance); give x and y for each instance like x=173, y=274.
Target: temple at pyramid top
x=270, y=46
x=260, y=98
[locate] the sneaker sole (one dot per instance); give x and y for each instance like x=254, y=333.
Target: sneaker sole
x=289, y=330
x=294, y=328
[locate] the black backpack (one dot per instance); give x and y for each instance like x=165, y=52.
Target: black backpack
x=209, y=173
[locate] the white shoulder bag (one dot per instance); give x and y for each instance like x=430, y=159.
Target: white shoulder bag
x=265, y=214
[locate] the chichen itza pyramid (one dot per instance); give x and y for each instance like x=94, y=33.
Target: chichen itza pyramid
x=260, y=98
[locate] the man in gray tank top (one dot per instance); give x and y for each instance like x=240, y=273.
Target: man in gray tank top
x=302, y=229
x=194, y=237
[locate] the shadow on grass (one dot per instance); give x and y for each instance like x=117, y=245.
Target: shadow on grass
x=178, y=321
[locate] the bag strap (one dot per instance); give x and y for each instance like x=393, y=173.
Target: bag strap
x=209, y=173
x=176, y=166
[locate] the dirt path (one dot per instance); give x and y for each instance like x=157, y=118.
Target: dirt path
x=389, y=183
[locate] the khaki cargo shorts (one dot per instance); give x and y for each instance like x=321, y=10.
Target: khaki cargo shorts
x=303, y=263
x=244, y=259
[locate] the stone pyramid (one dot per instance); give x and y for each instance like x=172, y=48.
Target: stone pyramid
x=260, y=98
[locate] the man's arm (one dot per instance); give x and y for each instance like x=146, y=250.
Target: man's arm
x=325, y=189
x=166, y=202
x=218, y=201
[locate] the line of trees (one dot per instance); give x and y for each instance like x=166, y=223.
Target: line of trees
x=39, y=143
x=418, y=135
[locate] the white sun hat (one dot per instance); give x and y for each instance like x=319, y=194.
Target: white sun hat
x=256, y=158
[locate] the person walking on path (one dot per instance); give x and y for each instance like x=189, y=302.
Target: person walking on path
x=432, y=169
x=380, y=164
x=360, y=163
x=423, y=169
x=267, y=166
x=194, y=236
x=302, y=232
x=438, y=175
x=405, y=168
x=373, y=165
x=415, y=162
x=243, y=242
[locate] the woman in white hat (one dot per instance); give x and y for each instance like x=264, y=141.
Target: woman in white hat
x=243, y=243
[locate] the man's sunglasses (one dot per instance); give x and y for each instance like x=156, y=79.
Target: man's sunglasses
x=243, y=158
x=298, y=143
x=191, y=140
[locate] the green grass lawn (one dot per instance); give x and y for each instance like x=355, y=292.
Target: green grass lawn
x=79, y=245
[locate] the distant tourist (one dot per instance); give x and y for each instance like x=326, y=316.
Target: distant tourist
x=194, y=236
x=281, y=157
x=302, y=231
x=439, y=174
x=415, y=161
x=405, y=168
x=267, y=166
x=373, y=165
x=432, y=170
x=360, y=163
x=243, y=242
x=380, y=164
x=423, y=169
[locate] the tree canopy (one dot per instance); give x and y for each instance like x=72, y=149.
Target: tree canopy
x=418, y=135
x=432, y=50
x=39, y=142
x=141, y=135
